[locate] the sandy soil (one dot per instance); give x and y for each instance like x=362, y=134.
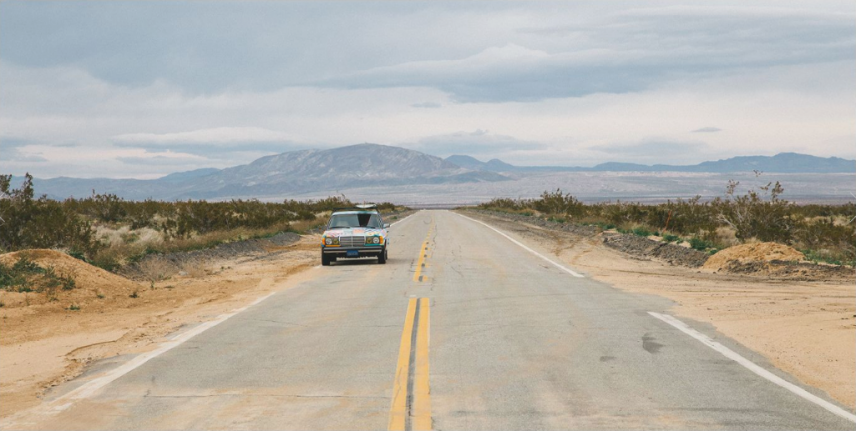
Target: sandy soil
x=805, y=328
x=45, y=343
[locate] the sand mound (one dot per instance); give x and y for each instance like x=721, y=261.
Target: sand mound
x=752, y=253
x=89, y=280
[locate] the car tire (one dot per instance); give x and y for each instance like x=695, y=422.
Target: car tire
x=381, y=258
x=325, y=260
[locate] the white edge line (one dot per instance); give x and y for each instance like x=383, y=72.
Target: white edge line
x=757, y=369
x=408, y=216
x=89, y=388
x=569, y=271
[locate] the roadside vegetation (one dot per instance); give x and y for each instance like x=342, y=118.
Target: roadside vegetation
x=26, y=276
x=111, y=232
x=824, y=233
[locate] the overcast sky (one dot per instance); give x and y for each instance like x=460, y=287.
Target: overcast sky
x=142, y=89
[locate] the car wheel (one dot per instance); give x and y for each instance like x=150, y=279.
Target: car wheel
x=381, y=258
x=325, y=260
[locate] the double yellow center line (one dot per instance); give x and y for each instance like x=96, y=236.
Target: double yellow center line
x=411, y=400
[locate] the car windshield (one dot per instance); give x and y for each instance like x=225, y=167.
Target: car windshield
x=341, y=221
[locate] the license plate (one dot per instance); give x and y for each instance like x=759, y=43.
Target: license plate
x=353, y=253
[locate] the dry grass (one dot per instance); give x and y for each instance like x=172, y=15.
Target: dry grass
x=156, y=268
x=196, y=268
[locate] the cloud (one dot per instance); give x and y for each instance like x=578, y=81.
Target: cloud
x=426, y=105
x=158, y=160
x=137, y=79
x=477, y=53
x=16, y=155
x=214, y=136
x=477, y=142
x=626, y=51
x=653, y=151
x=707, y=130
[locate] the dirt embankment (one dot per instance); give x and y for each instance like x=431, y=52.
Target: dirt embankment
x=804, y=324
x=650, y=249
x=47, y=339
x=774, y=260
x=768, y=260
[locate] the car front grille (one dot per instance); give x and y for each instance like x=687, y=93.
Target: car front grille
x=352, y=241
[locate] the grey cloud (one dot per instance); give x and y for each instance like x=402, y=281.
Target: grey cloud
x=707, y=130
x=7, y=143
x=475, y=52
x=13, y=154
x=627, y=52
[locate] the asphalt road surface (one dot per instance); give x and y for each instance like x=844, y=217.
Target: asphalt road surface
x=463, y=328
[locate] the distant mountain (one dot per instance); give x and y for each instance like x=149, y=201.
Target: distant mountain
x=780, y=163
x=183, y=176
x=366, y=165
x=493, y=165
x=467, y=162
x=284, y=174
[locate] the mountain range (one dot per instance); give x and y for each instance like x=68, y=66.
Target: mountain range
x=780, y=163
x=368, y=165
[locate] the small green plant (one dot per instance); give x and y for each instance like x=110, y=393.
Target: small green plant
x=74, y=307
x=99, y=295
x=700, y=244
x=641, y=231
x=68, y=282
x=134, y=295
x=671, y=238
x=77, y=254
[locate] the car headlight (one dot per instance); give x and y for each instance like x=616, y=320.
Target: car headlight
x=328, y=241
x=376, y=240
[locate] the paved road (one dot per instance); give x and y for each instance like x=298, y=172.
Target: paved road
x=485, y=335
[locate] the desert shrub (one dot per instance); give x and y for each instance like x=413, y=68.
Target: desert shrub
x=825, y=232
x=156, y=268
x=505, y=204
x=27, y=276
x=29, y=222
x=671, y=238
x=700, y=244
x=641, y=231
x=757, y=214
x=821, y=239
x=558, y=202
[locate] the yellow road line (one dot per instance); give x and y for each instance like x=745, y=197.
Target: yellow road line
x=411, y=401
x=423, y=253
x=398, y=412
x=421, y=409
x=420, y=262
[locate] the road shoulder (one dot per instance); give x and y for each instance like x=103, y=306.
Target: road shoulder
x=805, y=328
x=45, y=345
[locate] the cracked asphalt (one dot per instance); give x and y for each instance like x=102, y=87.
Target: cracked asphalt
x=514, y=344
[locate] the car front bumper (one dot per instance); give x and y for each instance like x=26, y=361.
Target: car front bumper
x=361, y=251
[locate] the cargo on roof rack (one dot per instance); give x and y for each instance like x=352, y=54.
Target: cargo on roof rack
x=362, y=207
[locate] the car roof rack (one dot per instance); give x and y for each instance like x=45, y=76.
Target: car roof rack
x=362, y=207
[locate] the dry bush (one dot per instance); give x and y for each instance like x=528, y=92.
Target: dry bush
x=726, y=237
x=156, y=268
x=195, y=268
